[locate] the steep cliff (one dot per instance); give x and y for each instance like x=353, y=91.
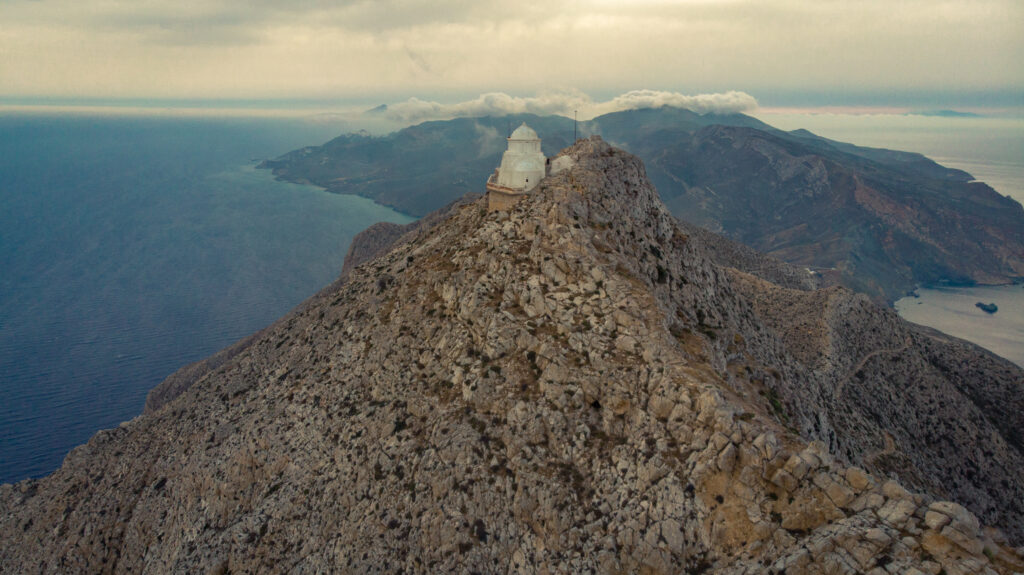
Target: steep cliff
x=576, y=385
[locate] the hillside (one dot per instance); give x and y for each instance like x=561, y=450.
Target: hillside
x=878, y=221
x=885, y=222
x=576, y=385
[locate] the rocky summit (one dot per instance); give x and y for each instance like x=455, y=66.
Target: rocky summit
x=579, y=384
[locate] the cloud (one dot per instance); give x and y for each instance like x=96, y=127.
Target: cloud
x=379, y=50
x=490, y=104
x=731, y=102
x=565, y=103
x=488, y=140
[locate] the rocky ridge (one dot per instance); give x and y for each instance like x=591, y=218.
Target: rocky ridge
x=575, y=385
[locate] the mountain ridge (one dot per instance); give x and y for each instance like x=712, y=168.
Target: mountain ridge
x=571, y=385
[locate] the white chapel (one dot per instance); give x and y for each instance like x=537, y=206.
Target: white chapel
x=523, y=166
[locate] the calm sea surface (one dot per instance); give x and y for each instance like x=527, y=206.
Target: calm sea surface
x=131, y=247
x=990, y=149
x=954, y=311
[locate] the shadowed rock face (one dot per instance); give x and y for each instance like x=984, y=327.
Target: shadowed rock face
x=878, y=221
x=577, y=384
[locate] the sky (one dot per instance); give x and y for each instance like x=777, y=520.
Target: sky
x=450, y=53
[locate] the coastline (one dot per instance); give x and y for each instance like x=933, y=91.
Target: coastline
x=304, y=182
x=122, y=276
x=953, y=310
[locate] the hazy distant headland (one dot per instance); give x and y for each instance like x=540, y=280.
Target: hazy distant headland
x=947, y=114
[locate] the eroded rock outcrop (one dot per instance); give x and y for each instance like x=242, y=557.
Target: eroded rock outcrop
x=574, y=385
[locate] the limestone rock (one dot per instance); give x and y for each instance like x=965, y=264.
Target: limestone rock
x=857, y=479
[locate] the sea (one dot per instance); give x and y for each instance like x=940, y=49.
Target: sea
x=133, y=245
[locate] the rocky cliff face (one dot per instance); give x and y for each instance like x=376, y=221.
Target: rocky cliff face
x=579, y=384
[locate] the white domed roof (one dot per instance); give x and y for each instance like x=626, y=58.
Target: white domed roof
x=523, y=132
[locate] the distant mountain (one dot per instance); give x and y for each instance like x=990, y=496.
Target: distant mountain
x=880, y=221
x=947, y=114
x=418, y=169
x=580, y=384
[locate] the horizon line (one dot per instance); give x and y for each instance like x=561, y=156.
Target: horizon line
x=259, y=109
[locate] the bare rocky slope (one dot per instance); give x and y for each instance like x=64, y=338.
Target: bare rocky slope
x=368, y=244
x=578, y=385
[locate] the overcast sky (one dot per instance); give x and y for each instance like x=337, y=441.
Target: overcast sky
x=781, y=52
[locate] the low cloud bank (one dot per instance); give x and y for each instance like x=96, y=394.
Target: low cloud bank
x=731, y=102
x=415, y=110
